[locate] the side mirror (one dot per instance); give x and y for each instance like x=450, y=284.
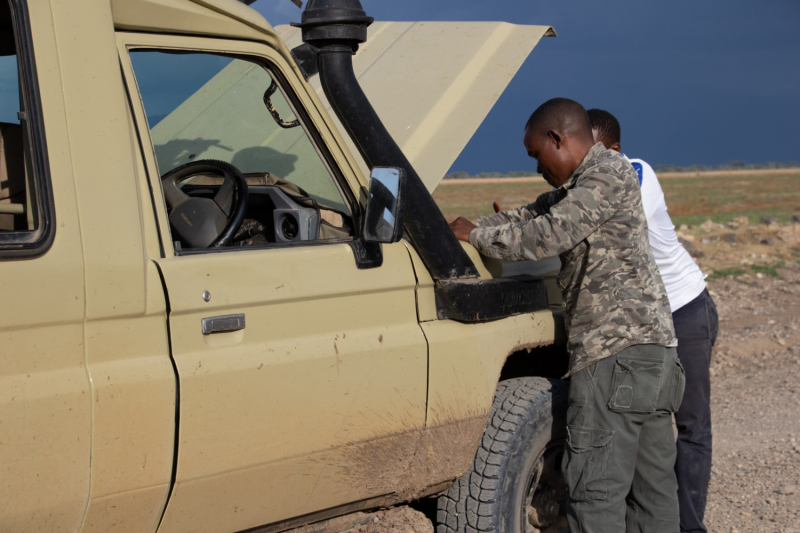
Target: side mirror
x=384, y=218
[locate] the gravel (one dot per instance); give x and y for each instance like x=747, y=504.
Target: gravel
x=754, y=402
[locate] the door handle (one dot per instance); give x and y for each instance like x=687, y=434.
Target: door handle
x=222, y=324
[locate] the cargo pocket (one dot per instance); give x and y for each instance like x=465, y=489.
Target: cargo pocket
x=636, y=385
x=678, y=387
x=586, y=462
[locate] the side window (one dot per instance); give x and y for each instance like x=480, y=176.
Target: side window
x=203, y=107
x=24, y=214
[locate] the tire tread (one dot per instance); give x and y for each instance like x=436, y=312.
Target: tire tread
x=472, y=504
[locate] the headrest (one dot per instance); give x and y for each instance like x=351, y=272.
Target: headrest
x=12, y=160
x=7, y=45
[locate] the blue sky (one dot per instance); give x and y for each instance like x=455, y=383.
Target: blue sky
x=691, y=82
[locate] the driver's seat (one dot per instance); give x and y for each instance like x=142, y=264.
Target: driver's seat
x=12, y=178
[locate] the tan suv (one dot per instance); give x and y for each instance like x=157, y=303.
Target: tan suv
x=212, y=321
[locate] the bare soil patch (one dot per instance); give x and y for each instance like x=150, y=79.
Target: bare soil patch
x=754, y=404
x=755, y=373
x=740, y=250
x=401, y=519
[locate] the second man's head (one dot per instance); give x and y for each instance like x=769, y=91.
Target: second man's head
x=605, y=129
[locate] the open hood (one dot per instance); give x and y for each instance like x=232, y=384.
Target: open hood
x=433, y=83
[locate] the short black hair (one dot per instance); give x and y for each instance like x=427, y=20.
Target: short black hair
x=561, y=114
x=607, y=126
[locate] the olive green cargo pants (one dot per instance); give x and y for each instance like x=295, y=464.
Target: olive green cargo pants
x=620, y=453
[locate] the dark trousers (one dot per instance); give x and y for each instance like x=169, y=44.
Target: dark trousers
x=620, y=452
x=696, y=326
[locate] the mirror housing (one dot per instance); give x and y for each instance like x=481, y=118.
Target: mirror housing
x=383, y=221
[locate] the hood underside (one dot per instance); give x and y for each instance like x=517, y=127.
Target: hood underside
x=433, y=83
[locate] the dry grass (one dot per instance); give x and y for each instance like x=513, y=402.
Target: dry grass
x=475, y=200
x=691, y=200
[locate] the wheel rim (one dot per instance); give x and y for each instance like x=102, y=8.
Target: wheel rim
x=544, y=505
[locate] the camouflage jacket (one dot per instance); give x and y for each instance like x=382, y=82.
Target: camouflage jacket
x=613, y=293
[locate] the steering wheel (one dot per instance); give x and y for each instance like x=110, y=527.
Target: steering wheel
x=203, y=222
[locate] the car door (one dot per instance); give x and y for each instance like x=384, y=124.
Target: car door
x=314, y=396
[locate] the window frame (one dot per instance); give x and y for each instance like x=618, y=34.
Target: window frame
x=272, y=63
x=21, y=244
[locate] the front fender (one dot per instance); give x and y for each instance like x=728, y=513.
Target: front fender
x=464, y=366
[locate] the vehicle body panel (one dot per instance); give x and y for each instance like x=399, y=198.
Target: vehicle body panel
x=464, y=365
x=281, y=414
x=46, y=405
x=211, y=18
x=100, y=390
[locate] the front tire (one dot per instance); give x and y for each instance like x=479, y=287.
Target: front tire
x=514, y=484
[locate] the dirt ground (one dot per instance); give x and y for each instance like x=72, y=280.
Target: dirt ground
x=755, y=477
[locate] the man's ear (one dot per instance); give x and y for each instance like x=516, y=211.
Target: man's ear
x=555, y=137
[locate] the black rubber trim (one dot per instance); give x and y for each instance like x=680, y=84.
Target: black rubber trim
x=479, y=301
x=176, y=443
x=305, y=56
x=31, y=244
x=367, y=254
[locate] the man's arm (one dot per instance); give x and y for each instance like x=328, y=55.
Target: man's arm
x=521, y=214
x=504, y=217
x=584, y=209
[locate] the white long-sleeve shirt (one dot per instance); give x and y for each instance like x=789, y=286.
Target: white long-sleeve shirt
x=682, y=277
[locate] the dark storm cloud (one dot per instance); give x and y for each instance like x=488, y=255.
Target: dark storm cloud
x=691, y=82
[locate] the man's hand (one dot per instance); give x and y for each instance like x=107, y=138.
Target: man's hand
x=497, y=207
x=462, y=228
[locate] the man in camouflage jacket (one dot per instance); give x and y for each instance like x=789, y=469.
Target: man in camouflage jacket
x=625, y=380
